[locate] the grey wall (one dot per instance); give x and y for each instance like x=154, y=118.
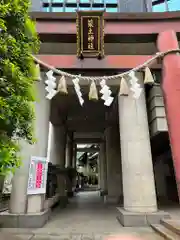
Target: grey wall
x=135, y=5
x=156, y=112
x=36, y=5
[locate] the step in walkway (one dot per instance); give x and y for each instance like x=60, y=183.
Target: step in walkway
x=168, y=229
x=138, y=233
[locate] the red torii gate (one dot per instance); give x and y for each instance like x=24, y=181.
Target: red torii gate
x=171, y=90
x=154, y=23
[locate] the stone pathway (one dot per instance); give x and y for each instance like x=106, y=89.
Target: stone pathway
x=85, y=218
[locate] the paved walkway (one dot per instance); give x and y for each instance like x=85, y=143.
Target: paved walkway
x=85, y=213
x=88, y=218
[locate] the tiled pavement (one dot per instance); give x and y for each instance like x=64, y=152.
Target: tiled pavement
x=86, y=217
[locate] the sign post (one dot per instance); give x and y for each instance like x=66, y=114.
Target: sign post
x=90, y=34
x=37, y=175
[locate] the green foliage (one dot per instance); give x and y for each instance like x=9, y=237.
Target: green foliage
x=18, y=40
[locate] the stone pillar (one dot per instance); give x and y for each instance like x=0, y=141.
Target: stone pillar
x=99, y=173
x=114, y=175
x=171, y=85
x=69, y=164
x=69, y=153
x=61, y=135
x=135, y=6
x=51, y=150
x=140, y=205
x=138, y=177
x=56, y=153
x=74, y=165
x=74, y=155
x=18, y=201
x=103, y=168
x=56, y=145
x=36, y=6
x=2, y=179
x=160, y=180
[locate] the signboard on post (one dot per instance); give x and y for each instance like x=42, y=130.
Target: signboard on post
x=37, y=175
x=90, y=34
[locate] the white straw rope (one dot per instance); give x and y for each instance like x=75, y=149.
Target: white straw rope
x=95, y=78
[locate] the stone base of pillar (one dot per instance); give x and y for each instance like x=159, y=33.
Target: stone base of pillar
x=132, y=219
x=33, y=220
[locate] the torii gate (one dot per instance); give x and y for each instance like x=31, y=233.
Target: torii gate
x=171, y=90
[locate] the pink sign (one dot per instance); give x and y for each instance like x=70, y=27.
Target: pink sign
x=37, y=175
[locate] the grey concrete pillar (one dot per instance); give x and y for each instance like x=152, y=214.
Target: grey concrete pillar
x=74, y=155
x=74, y=165
x=99, y=173
x=135, y=6
x=69, y=153
x=137, y=169
x=2, y=178
x=61, y=144
x=103, y=168
x=60, y=149
x=114, y=175
x=36, y=5
x=69, y=164
x=51, y=151
x=160, y=171
x=56, y=145
x=18, y=201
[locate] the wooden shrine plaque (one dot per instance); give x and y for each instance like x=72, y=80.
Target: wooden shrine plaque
x=90, y=34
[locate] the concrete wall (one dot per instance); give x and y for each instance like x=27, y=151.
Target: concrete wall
x=135, y=5
x=156, y=112
x=36, y=5
x=114, y=168
x=160, y=173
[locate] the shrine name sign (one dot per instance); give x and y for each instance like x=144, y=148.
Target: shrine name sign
x=90, y=34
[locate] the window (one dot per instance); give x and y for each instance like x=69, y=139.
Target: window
x=160, y=8
x=70, y=9
x=165, y=5
x=57, y=9
x=57, y=1
x=84, y=8
x=98, y=1
x=111, y=9
x=111, y=1
x=98, y=8
x=174, y=5
x=84, y=1
x=159, y=5
x=71, y=1
x=46, y=9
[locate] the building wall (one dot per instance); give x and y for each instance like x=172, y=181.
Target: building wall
x=160, y=176
x=36, y=5
x=135, y=5
x=156, y=112
x=109, y=6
